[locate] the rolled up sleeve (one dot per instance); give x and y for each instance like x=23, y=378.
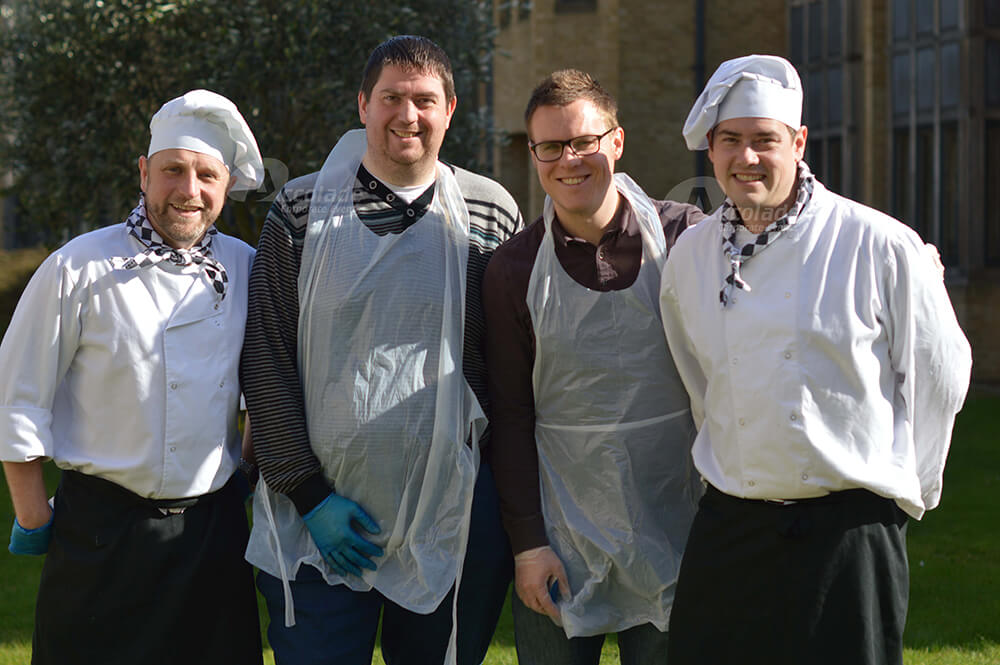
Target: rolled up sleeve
x=35, y=355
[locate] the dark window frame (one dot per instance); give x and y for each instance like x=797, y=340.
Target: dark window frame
x=827, y=72
x=575, y=6
x=921, y=119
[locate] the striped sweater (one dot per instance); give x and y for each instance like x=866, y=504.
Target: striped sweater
x=269, y=367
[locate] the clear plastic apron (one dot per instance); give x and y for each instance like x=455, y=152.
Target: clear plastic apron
x=614, y=434
x=388, y=409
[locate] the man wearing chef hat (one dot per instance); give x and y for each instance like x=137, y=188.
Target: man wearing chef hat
x=120, y=365
x=825, y=368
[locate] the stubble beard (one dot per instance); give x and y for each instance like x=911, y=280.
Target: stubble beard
x=181, y=232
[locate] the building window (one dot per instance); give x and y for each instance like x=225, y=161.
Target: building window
x=992, y=192
x=900, y=208
x=992, y=11
x=949, y=15
x=925, y=16
x=949, y=198
x=822, y=49
x=900, y=20
x=992, y=171
x=523, y=10
x=569, y=6
x=993, y=73
x=504, y=9
x=926, y=100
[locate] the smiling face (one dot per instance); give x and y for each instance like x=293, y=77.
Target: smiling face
x=756, y=162
x=582, y=188
x=184, y=192
x=405, y=120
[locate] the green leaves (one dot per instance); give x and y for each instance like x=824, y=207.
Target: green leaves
x=80, y=79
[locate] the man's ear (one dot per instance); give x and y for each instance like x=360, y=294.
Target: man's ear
x=799, y=142
x=618, y=141
x=143, y=172
x=362, y=106
x=451, y=111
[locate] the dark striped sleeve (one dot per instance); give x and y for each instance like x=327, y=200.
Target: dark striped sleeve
x=269, y=366
x=493, y=218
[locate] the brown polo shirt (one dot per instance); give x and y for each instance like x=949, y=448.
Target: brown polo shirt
x=611, y=265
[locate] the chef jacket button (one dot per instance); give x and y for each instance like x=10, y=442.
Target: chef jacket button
x=805, y=476
x=742, y=422
x=736, y=361
x=222, y=383
x=173, y=449
x=751, y=483
x=216, y=305
x=788, y=294
x=788, y=354
x=173, y=386
x=793, y=417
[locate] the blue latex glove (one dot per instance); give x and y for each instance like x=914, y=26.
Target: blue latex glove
x=330, y=524
x=30, y=541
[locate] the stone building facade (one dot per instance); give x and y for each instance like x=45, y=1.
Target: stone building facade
x=902, y=104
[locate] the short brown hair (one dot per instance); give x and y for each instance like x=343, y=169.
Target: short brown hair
x=408, y=52
x=563, y=87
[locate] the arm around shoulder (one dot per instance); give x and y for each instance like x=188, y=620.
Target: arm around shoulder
x=680, y=339
x=510, y=362
x=931, y=357
x=269, y=364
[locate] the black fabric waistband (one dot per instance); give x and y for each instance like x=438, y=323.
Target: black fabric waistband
x=114, y=492
x=842, y=496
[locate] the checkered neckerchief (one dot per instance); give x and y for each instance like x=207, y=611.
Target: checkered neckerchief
x=156, y=250
x=739, y=255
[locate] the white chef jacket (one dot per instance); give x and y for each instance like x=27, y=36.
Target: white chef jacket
x=128, y=375
x=842, y=368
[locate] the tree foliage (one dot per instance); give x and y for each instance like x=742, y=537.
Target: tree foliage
x=80, y=79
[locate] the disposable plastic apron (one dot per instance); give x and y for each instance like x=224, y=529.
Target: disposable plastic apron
x=614, y=435
x=388, y=409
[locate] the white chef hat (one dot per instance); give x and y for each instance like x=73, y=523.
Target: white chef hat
x=754, y=86
x=207, y=122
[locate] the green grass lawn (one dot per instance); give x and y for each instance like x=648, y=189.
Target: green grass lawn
x=954, y=565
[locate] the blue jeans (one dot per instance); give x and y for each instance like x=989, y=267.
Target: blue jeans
x=541, y=642
x=335, y=625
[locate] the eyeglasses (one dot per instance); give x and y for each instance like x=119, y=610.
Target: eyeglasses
x=552, y=151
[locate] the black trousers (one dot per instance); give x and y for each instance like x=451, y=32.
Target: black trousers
x=125, y=584
x=821, y=581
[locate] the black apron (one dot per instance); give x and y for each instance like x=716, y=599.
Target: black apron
x=125, y=583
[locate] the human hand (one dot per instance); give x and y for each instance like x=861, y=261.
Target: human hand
x=30, y=541
x=248, y=477
x=535, y=572
x=330, y=524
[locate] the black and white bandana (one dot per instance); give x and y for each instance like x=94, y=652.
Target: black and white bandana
x=731, y=222
x=156, y=250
